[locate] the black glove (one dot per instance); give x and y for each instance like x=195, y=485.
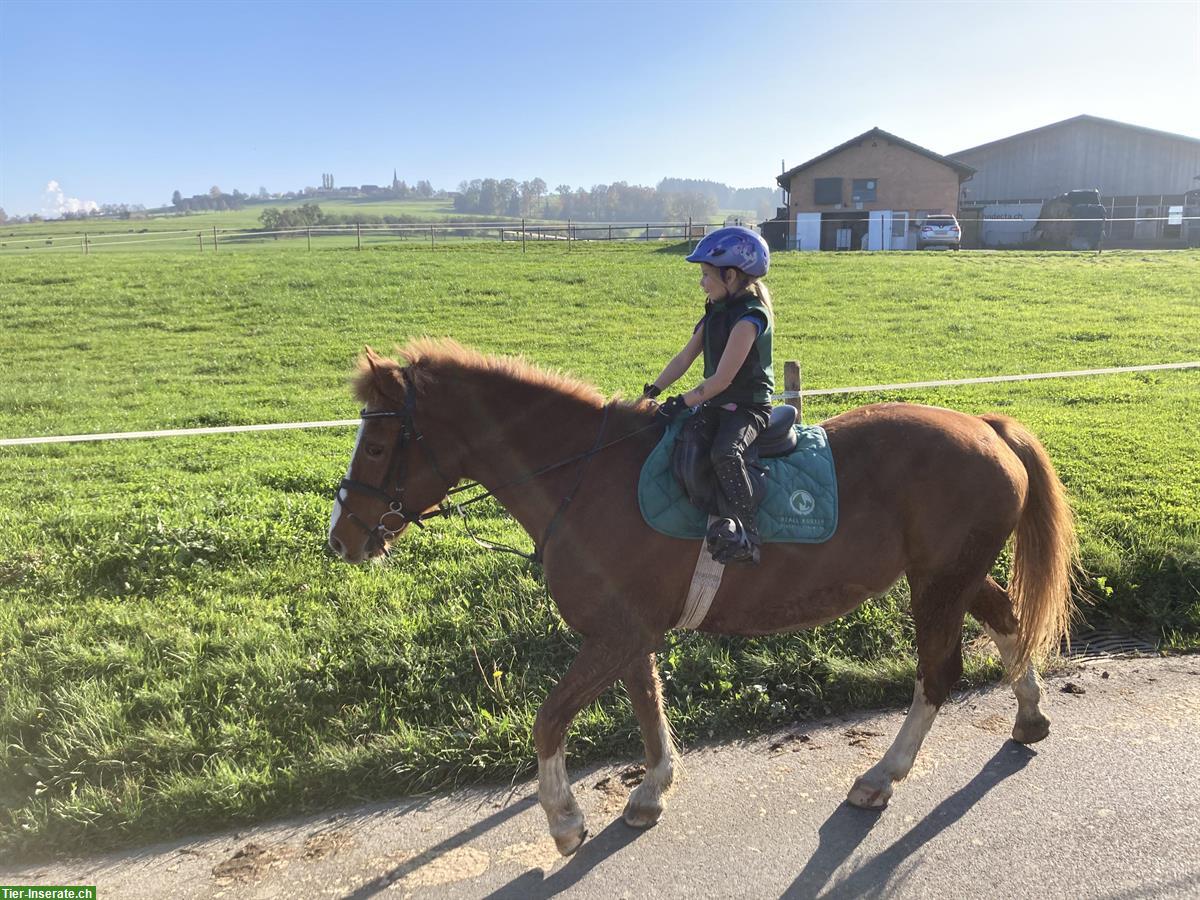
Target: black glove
x=651, y=390
x=673, y=408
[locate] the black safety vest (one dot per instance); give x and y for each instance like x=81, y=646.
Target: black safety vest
x=754, y=381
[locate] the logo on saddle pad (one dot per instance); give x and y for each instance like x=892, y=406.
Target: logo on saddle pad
x=802, y=502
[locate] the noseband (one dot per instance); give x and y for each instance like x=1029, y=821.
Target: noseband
x=396, y=475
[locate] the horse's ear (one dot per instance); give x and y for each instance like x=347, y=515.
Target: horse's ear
x=386, y=378
x=373, y=360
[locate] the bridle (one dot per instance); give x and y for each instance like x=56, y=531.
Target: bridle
x=396, y=475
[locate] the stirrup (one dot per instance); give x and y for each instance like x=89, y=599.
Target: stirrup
x=730, y=542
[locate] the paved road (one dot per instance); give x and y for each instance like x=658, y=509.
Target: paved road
x=1107, y=806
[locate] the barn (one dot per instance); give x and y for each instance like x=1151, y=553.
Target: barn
x=1144, y=177
x=869, y=193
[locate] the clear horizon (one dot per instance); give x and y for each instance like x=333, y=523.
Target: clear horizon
x=124, y=102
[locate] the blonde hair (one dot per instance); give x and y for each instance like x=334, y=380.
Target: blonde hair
x=754, y=285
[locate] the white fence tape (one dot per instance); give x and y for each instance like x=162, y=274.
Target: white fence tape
x=342, y=423
x=990, y=379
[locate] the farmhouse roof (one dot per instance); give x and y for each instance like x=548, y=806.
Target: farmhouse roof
x=963, y=170
x=1082, y=118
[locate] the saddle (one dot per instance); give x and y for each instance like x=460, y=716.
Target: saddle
x=692, y=468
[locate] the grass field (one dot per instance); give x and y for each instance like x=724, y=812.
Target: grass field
x=178, y=231
x=178, y=651
x=192, y=232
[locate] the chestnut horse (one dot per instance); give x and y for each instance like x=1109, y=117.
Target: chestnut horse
x=924, y=492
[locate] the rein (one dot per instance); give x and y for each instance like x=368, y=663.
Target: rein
x=396, y=475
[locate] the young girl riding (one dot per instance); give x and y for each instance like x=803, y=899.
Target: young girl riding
x=734, y=399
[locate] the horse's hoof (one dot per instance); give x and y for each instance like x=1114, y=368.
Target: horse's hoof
x=1031, y=731
x=867, y=795
x=569, y=832
x=639, y=815
x=569, y=843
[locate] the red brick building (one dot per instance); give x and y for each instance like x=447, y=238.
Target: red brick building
x=869, y=193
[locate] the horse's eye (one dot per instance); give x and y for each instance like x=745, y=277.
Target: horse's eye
x=374, y=450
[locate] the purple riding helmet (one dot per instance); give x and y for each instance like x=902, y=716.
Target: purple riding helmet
x=734, y=246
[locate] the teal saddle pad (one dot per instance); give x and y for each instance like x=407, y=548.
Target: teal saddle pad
x=801, y=505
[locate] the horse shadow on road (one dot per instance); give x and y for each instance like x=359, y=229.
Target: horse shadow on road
x=532, y=885
x=846, y=829
x=840, y=836
x=385, y=881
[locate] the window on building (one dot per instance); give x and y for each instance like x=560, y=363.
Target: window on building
x=827, y=191
x=864, y=189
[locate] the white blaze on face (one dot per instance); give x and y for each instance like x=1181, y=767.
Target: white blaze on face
x=337, y=501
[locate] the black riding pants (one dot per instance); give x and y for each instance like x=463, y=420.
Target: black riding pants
x=731, y=432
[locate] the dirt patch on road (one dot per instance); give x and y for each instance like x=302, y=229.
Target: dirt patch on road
x=251, y=861
x=322, y=843
x=996, y=723
x=429, y=869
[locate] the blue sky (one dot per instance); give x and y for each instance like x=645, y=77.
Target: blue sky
x=125, y=102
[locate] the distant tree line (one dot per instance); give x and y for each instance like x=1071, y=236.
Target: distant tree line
x=310, y=215
x=275, y=219
x=617, y=202
x=105, y=210
x=111, y=210
x=763, y=200
x=215, y=199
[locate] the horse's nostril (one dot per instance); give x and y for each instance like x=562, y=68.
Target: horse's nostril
x=336, y=546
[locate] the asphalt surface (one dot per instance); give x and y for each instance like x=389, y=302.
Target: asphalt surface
x=1107, y=806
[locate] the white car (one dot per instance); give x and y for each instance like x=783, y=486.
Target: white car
x=939, y=231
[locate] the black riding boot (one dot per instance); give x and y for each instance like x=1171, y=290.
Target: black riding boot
x=734, y=538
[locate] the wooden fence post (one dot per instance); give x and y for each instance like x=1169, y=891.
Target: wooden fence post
x=308, y=234
x=791, y=382
x=522, y=235
x=85, y=244
x=358, y=233
x=568, y=234
x=214, y=239
x=200, y=234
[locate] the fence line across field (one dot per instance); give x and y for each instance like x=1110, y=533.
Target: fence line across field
x=784, y=395
x=507, y=232
x=518, y=231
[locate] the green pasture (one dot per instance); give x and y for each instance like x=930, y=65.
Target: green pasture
x=192, y=232
x=65, y=235
x=178, y=650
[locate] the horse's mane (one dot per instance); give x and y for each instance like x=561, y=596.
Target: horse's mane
x=430, y=357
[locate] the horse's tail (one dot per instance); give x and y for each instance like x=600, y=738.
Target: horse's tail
x=1045, y=551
